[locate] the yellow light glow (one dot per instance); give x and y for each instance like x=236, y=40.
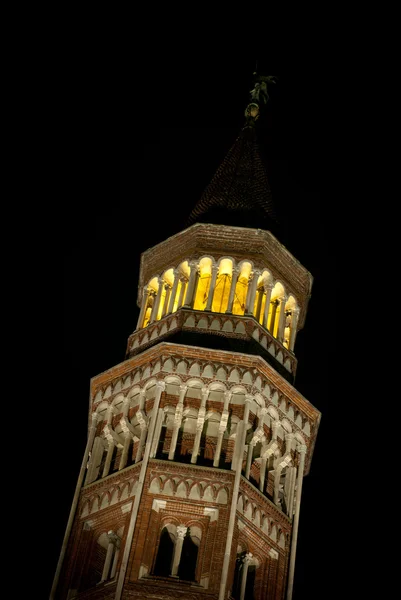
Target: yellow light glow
x=221, y=293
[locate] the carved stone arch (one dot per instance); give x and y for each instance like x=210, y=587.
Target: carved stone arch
x=168, y=487
x=207, y=256
x=114, y=494
x=101, y=409
x=208, y=370
x=104, y=500
x=137, y=375
x=246, y=260
x=117, y=386
x=95, y=503
x=238, y=389
x=125, y=491
x=155, y=485
x=217, y=386
x=169, y=520
x=226, y=258
x=209, y=493
x=260, y=400
x=233, y=375
x=195, y=491
x=156, y=366
x=108, y=391
x=247, y=377
x=85, y=508
x=98, y=397
x=168, y=365
x=221, y=373
x=195, y=369
x=118, y=402
x=194, y=382
x=181, y=489
x=222, y=495
x=182, y=367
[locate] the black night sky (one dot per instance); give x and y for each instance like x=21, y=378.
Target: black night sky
x=167, y=132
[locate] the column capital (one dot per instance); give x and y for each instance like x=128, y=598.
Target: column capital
x=193, y=263
x=161, y=385
x=302, y=448
x=248, y=558
x=273, y=554
x=177, y=271
x=181, y=531
x=248, y=397
x=95, y=418
x=113, y=537
x=227, y=395
x=183, y=387
x=262, y=412
x=268, y=285
x=289, y=437
x=205, y=393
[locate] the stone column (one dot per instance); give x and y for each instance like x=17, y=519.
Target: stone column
x=143, y=423
x=109, y=456
x=189, y=297
x=173, y=291
x=222, y=428
x=302, y=451
x=267, y=452
x=251, y=293
x=115, y=559
x=177, y=421
x=232, y=290
x=249, y=459
x=181, y=532
x=166, y=300
x=145, y=296
x=127, y=437
x=247, y=560
x=158, y=428
x=199, y=425
x=109, y=555
x=160, y=386
x=142, y=440
x=281, y=320
x=268, y=290
x=233, y=509
x=259, y=291
x=212, y=287
x=183, y=280
x=81, y=475
x=293, y=329
x=156, y=303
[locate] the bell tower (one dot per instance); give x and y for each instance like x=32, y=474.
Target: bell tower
x=198, y=442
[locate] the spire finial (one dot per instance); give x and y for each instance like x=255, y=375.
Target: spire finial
x=259, y=95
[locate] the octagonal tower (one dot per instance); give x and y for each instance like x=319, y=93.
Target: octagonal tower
x=198, y=441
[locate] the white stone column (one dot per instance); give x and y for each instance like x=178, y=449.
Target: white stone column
x=158, y=428
x=199, y=425
x=109, y=555
x=267, y=452
x=251, y=293
x=173, y=291
x=302, y=451
x=189, y=297
x=177, y=421
x=268, y=289
x=89, y=444
x=156, y=303
x=127, y=436
x=222, y=428
x=143, y=423
x=160, y=387
x=234, y=280
x=212, y=287
x=115, y=559
x=281, y=320
x=293, y=328
x=181, y=532
x=166, y=299
x=183, y=280
x=247, y=560
x=145, y=296
x=291, y=491
x=284, y=462
x=249, y=457
x=262, y=474
x=233, y=509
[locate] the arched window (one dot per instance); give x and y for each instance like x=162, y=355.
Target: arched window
x=203, y=287
x=165, y=552
x=223, y=286
x=189, y=554
x=241, y=289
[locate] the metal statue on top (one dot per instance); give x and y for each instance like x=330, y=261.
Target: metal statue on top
x=259, y=96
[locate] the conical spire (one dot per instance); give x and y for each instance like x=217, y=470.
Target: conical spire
x=239, y=193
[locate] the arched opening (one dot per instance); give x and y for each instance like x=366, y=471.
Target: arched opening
x=203, y=287
x=275, y=308
x=153, y=288
x=165, y=553
x=189, y=556
x=183, y=278
x=241, y=289
x=223, y=286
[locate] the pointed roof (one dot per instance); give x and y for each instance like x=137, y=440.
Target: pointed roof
x=239, y=193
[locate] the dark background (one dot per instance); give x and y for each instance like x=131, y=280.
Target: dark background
x=143, y=154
